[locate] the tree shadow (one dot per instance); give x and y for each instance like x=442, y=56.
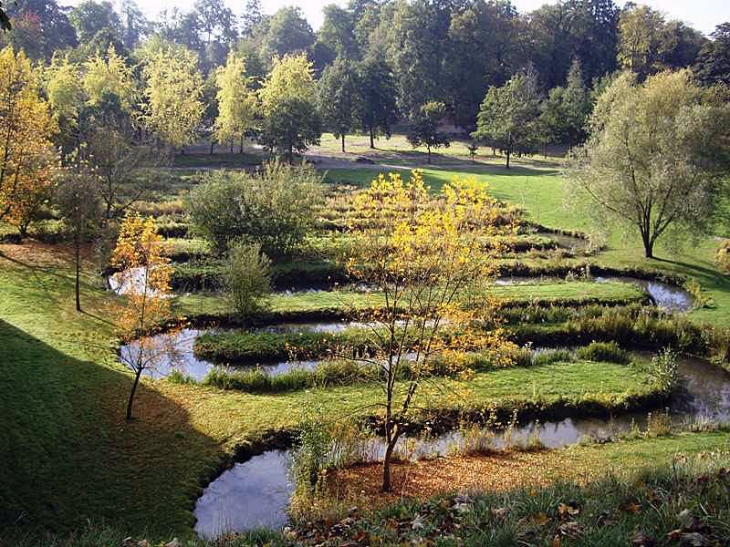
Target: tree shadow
x=67, y=456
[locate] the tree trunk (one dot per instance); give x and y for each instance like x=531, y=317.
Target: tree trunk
x=241, y=144
x=212, y=147
x=372, y=138
x=291, y=155
x=342, y=140
x=78, y=275
x=428, y=147
x=508, y=155
x=648, y=245
x=131, y=395
x=387, y=483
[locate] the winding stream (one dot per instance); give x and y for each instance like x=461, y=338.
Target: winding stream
x=257, y=492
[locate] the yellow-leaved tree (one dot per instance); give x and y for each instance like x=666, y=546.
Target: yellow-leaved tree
x=109, y=75
x=291, y=77
x=65, y=92
x=237, y=103
x=432, y=257
x=174, y=88
x=140, y=254
x=27, y=158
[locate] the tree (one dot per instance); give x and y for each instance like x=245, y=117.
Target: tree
x=247, y=279
x=106, y=75
x=65, y=94
x=251, y=18
x=134, y=24
x=237, y=103
x=648, y=44
x=145, y=307
x=78, y=200
x=287, y=32
x=484, y=50
x=275, y=208
x=292, y=126
x=713, y=63
x=564, y=113
x=340, y=99
x=423, y=127
x=40, y=28
x=654, y=156
x=291, y=121
x=418, y=42
x=509, y=116
x=173, y=90
x=90, y=18
x=291, y=77
x=337, y=32
x=27, y=161
x=378, y=111
x=426, y=255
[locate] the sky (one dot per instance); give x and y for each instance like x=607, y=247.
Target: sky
x=704, y=15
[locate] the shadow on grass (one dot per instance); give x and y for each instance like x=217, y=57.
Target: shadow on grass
x=67, y=455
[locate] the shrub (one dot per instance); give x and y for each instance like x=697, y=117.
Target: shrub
x=607, y=352
x=275, y=208
x=665, y=370
x=247, y=279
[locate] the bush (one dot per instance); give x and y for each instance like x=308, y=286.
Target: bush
x=247, y=279
x=275, y=208
x=605, y=352
x=665, y=370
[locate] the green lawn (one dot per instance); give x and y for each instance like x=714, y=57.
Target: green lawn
x=549, y=291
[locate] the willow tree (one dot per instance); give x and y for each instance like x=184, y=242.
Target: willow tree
x=655, y=156
x=173, y=91
x=27, y=159
x=237, y=103
x=426, y=254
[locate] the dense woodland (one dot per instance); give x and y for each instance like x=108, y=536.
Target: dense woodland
x=377, y=63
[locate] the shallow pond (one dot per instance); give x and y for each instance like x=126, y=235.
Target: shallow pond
x=262, y=483
x=248, y=495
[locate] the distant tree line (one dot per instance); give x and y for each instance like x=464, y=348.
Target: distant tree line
x=120, y=88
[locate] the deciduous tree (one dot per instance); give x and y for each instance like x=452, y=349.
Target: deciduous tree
x=509, y=117
x=237, y=103
x=654, y=156
x=78, y=200
x=27, y=159
x=424, y=130
x=145, y=308
x=426, y=255
x=173, y=90
x=340, y=99
x=106, y=75
x=378, y=111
